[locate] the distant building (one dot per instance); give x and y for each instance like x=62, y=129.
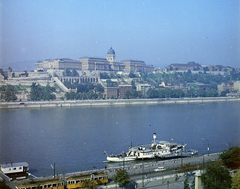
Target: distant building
x=122, y=89
x=110, y=92
x=224, y=87
x=189, y=66
x=58, y=64
x=94, y=64
x=236, y=86
x=143, y=88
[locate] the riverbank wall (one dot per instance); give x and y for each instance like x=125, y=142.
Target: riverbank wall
x=112, y=102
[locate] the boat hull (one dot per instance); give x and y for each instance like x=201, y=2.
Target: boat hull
x=120, y=159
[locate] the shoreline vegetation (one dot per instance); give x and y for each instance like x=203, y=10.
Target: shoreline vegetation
x=112, y=102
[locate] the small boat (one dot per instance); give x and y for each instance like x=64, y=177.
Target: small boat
x=120, y=157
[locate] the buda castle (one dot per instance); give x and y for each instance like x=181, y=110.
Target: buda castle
x=95, y=64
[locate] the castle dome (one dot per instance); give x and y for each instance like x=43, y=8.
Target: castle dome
x=111, y=51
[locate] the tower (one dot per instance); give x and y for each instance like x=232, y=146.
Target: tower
x=111, y=57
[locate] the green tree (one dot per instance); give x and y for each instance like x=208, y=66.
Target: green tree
x=100, y=95
x=67, y=72
x=104, y=75
x=99, y=88
x=224, y=93
x=231, y=157
x=3, y=185
x=9, y=94
x=216, y=176
x=212, y=93
x=74, y=72
x=151, y=93
x=236, y=180
x=193, y=184
x=133, y=85
x=89, y=184
x=132, y=75
x=186, y=183
x=121, y=177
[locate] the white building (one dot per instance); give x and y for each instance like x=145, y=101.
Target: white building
x=143, y=88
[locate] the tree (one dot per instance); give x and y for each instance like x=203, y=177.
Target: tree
x=121, y=177
x=89, y=184
x=212, y=93
x=151, y=93
x=133, y=85
x=99, y=88
x=186, y=183
x=132, y=75
x=104, y=75
x=231, y=157
x=224, y=93
x=9, y=94
x=3, y=185
x=193, y=184
x=216, y=176
x=236, y=180
x=75, y=73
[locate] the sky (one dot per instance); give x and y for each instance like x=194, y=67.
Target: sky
x=159, y=32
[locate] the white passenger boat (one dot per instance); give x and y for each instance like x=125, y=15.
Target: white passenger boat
x=162, y=149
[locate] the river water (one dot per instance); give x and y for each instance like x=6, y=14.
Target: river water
x=75, y=138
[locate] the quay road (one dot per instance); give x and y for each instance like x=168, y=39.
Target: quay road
x=142, y=173
x=144, y=176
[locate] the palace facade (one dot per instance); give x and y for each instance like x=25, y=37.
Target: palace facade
x=94, y=64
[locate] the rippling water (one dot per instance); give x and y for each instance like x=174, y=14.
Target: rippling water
x=75, y=138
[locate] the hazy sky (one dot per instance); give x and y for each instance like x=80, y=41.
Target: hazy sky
x=159, y=32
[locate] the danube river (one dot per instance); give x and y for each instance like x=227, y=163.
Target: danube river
x=75, y=138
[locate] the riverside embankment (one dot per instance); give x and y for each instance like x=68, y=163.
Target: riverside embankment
x=113, y=102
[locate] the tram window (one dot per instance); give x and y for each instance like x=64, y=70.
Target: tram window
x=49, y=186
x=100, y=178
x=77, y=181
x=54, y=185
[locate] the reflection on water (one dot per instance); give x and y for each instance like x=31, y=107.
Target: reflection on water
x=75, y=138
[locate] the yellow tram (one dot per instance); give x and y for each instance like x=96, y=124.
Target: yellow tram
x=80, y=181
x=46, y=184
x=71, y=182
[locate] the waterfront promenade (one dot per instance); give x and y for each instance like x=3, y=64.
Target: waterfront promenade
x=113, y=102
x=142, y=174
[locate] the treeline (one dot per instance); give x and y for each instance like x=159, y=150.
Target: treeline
x=188, y=77
x=68, y=72
x=178, y=93
x=84, y=91
x=42, y=93
x=8, y=92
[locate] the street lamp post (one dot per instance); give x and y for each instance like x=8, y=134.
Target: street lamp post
x=92, y=177
x=208, y=144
